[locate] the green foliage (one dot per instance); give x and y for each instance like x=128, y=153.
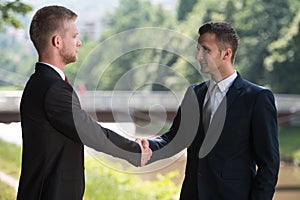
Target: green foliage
x=105, y=183
x=108, y=184
x=6, y=192
x=257, y=23
x=267, y=55
x=283, y=61
x=139, y=14
x=184, y=8
x=10, y=158
x=16, y=62
x=289, y=141
x=269, y=35
x=9, y=10
x=296, y=156
x=101, y=182
x=258, y=26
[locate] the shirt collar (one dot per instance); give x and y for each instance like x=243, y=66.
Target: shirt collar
x=59, y=71
x=224, y=84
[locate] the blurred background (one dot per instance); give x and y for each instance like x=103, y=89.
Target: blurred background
x=268, y=55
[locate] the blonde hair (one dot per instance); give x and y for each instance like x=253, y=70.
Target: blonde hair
x=46, y=21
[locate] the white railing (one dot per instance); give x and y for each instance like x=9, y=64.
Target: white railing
x=122, y=100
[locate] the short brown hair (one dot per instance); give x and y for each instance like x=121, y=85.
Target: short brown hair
x=47, y=21
x=224, y=32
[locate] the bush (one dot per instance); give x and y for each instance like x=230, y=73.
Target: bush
x=6, y=192
x=289, y=142
x=103, y=183
x=10, y=159
x=296, y=157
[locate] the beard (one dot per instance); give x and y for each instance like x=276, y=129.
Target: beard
x=68, y=56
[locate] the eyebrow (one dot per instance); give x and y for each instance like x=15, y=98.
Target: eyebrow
x=203, y=46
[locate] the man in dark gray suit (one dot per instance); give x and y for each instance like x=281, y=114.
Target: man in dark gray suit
x=54, y=127
x=232, y=150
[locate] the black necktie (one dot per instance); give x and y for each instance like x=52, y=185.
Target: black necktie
x=207, y=110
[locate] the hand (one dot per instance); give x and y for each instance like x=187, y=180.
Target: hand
x=146, y=151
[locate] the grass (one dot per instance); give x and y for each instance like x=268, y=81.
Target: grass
x=10, y=87
x=102, y=183
x=289, y=142
x=6, y=192
x=10, y=159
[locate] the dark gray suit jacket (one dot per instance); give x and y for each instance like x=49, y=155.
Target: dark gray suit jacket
x=55, y=130
x=248, y=138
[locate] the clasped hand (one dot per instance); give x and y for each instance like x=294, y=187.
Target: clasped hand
x=146, y=151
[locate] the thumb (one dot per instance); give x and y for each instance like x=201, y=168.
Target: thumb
x=145, y=143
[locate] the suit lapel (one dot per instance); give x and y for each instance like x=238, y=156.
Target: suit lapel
x=218, y=121
x=201, y=97
x=234, y=91
x=200, y=91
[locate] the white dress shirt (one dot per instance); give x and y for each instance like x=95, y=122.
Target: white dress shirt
x=221, y=90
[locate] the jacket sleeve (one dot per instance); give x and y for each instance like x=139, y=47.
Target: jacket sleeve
x=182, y=132
x=265, y=145
x=64, y=112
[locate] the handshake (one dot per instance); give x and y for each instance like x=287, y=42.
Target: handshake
x=145, y=149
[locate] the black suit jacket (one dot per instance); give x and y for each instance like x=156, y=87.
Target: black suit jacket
x=248, y=138
x=55, y=130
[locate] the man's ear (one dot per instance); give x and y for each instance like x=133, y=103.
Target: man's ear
x=227, y=54
x=56, y=41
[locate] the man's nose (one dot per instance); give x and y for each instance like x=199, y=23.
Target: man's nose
x=199, y=55
x=79, y=43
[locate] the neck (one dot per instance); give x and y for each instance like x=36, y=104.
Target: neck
x=53, y=62
x=222, y=73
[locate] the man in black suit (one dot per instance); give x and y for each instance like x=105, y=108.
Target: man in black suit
x=232, y=146
x=54, y=127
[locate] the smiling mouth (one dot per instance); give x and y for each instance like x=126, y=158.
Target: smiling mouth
x=203, y=64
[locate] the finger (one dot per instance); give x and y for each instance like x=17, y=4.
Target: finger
x=139, y=141
x=145, y=143
x=145, y=158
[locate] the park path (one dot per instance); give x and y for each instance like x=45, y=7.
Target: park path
x=9, y=180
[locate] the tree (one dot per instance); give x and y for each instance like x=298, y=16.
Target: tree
x=9, y=10
x=283, y=61
x=11, y=72
x=184, y=8
x=129, y=15
x=258, y=24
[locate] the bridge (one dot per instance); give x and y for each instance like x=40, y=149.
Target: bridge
x=111, y=106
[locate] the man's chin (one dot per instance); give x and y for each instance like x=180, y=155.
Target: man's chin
x=204, y=70
x=72, y=60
